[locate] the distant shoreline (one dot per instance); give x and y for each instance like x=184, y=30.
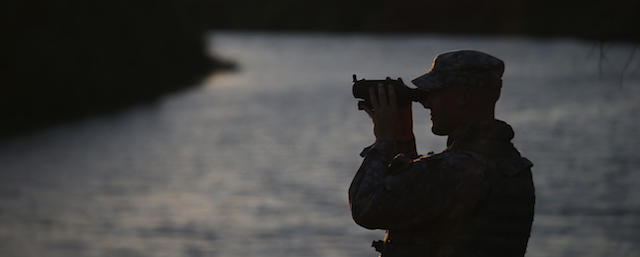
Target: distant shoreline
x=66, y=60
x=615, y=20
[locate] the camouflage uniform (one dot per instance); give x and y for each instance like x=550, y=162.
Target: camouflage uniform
x=476, y=198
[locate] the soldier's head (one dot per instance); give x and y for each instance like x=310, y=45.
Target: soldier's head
x=463, y=86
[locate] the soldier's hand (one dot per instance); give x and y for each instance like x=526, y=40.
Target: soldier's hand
x=383, y=111
x=390, y=122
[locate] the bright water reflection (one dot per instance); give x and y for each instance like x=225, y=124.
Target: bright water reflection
x=257, y=163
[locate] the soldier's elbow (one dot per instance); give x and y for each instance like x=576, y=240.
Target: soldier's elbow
x=364, y=220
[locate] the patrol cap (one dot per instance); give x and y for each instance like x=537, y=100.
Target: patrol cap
x=464, y=68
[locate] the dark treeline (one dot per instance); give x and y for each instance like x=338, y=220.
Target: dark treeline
x=66, y=59
x=590, y=19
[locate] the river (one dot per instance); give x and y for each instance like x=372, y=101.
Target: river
x=258, y=162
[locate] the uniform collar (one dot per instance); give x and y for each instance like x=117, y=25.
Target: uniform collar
x=492, y=130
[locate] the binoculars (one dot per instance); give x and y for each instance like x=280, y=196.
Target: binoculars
x=404, y=94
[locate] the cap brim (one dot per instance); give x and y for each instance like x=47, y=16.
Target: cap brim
x=428, y=82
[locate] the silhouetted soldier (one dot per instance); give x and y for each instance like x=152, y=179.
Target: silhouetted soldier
x=475, y=198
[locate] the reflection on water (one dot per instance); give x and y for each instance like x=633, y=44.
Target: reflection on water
x=257, y=163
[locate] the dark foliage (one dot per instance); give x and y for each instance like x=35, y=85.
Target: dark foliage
x=67, y=59
x=599, y=20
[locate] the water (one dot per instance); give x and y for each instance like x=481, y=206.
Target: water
x=258, y=162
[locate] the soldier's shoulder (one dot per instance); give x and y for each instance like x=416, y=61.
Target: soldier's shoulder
x=452, y=157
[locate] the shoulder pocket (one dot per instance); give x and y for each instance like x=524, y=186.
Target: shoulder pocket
x=404, y=170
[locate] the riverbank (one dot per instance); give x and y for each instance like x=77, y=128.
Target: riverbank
x=66, y=60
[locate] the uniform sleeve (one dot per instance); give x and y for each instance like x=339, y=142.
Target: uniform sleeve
x=409, y=193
